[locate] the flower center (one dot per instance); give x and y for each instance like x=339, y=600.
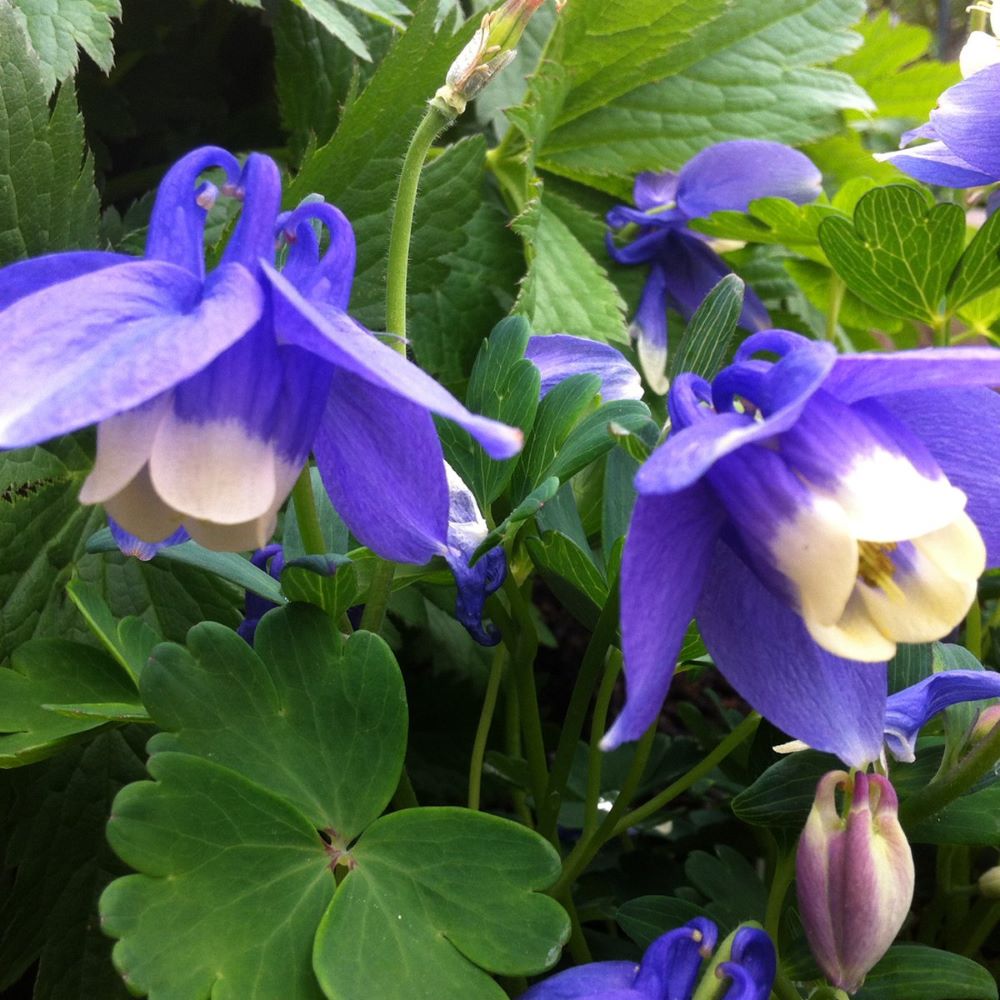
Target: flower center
x=876, y=568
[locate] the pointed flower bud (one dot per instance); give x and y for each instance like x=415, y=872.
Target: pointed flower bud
x=854, y=876
x=989, y=883
x=984, y=724
x=491, y=48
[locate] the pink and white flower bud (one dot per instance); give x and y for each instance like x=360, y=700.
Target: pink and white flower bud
x=988, y=719
x=854, y=875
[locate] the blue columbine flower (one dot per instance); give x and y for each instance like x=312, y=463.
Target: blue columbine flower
x=558, y=356
x=683, y=268
x=811, y=513
x=670, y=969
x=209, y=391
x=964, y=130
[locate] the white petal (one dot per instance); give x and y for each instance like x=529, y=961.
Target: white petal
x=214, y=471
x=887, y=500
x=123, y=446
x=817, y=551
x=980, y=51
x=653, y=362
x=139, y=510
x=938, y=585
x=855, y=636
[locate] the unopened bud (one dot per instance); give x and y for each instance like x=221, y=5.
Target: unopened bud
x=491, y=48
x=988, y=719
x=989, y=883
x=854, y=876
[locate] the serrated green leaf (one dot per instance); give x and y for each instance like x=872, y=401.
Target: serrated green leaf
x=748, y=68
x=438, y=892
x=57, y=27
x=917, y=972
x=708, y=339
x=236, y=882
x=565, y=290
x=58, y=861
x=978, y=271
x=53, y=671
x=314, y=718
x=900, y=251
x=330, y=14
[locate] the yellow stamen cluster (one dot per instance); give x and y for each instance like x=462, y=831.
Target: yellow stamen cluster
x=876, y=568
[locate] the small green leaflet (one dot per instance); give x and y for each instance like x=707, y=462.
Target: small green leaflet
x=920, y=973
x=57, y=27
x=708, y=339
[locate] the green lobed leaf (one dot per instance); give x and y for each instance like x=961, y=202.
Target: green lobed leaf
x=748, y=68
x=708, y=339
x=978, y=271
x=234, y=882
x=438, y=895
x=917, y=972
x=565, y=290
x=50, y=672
x=57, y=27
x=900, y=251
x=330, y=582
x=648, y=917
x=784, y=793
x=307, y=715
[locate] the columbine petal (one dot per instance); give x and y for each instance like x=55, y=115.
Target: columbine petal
x=105, y=342
x=753, y=953
x=649, y=329
x=908, y=711
x=950, y=423
x=763, y=649
x=130, y=545
x=667, y=555
x=672, y=962
x=935, y=163
x=378, y=451
x=139, y=506
x=729, y=175
x=655, y=190
x=557, y=356
x=598, y=979
x=27, y=276
x=859, y=376
x=967, y=119
x=329, y=278
x=335, y=337
x=252, y=242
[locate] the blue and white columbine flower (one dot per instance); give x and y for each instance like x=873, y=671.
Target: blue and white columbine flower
x=683, y=267
x=210, y=391
x=671, y=968
x=811, y=513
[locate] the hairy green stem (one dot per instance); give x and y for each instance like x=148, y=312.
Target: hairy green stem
x=947, y=786
x=500, y=658
x=576, y=713
x=742, y=732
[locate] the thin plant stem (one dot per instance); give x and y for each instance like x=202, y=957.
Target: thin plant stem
x=595, y=756
x=784, y=871
x=304, y=502
x=742, y=732
x=979, y=924
x=500, y=659
x=784, y=989
x=576, y=713
x=947, y=786
x=577, y=943
x=837, y=290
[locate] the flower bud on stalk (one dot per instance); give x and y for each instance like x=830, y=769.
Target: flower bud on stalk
x=491, y=48
x=989, y=883
x=854, y=876
x=984, y=724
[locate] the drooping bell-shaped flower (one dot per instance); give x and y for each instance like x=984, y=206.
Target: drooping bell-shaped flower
x=671, y=969
x=854, y=875
x=683, y=268
x=210, y=391
x=811, y=513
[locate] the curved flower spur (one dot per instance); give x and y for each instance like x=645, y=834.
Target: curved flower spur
x=811, y=513
x=210, y=391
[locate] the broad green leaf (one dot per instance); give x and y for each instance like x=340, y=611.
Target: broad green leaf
x=557, y=415
x=593, y=435
x=57, y=27
x=748, y=68
x=47, y=197
x=648, y=917
x=911, y=664
x=971, y=819
x=332, y=16
x=978, y=271
x=504, y=385
x=900, y=251
x=329, y=582
x=57, y=862
x=784, y=793
x=49, y=672
x=708, y=339
x=235, y=881
x=565, y=290
x=307, y=715
x=571, y=573
x=730, y=883
x=917, y=972
x=434, y=894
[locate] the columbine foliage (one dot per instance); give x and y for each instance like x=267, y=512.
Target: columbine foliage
x=475, y=719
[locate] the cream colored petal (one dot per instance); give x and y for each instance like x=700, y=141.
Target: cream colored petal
x=980, y=51
x=214, y=471
x=139, y=510
x=123, y=446
x=937, y=588
x=855, y=636
x=233, y=537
